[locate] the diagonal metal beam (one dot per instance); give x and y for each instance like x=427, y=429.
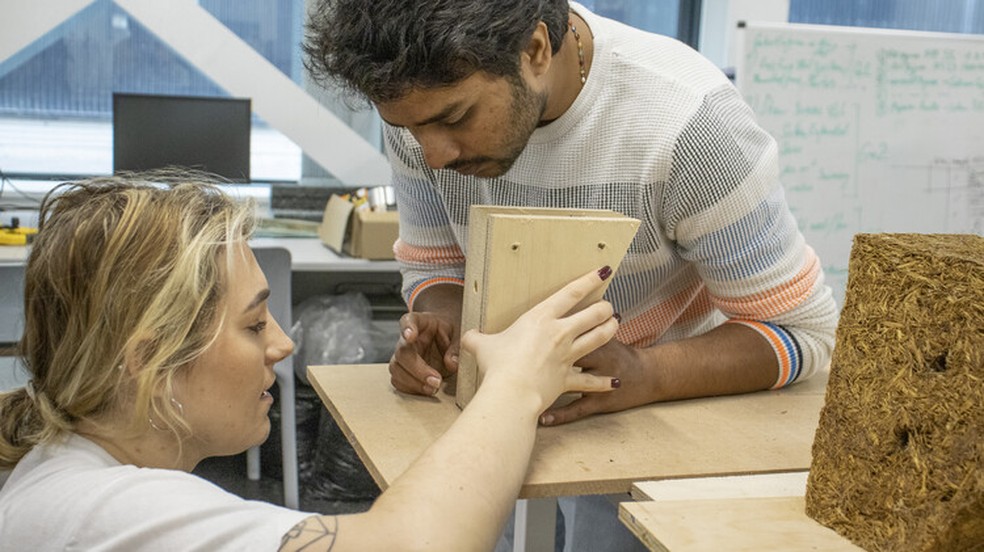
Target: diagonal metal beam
x=232, y=64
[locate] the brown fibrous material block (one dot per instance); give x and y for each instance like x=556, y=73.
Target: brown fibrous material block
x=898, y=457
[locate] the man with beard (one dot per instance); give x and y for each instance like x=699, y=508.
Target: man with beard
x=544, y=104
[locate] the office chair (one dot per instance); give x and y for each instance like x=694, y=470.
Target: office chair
x=11, y=302
x=12, y=374
x=275, y=263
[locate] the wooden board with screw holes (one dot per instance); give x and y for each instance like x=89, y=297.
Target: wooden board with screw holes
x=519, y=256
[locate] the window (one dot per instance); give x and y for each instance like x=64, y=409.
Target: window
x=676, y=18
x=951, y=16
x=56, y=95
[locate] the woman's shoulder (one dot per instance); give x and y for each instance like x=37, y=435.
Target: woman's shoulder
x=73, y=492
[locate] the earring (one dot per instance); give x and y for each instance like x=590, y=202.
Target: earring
x=175, y=403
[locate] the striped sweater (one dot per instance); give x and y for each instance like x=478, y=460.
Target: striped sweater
x=659, y=134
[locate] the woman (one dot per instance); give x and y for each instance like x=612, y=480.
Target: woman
x=150, y=348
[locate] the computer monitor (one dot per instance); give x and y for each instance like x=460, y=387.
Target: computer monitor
x=206, y=133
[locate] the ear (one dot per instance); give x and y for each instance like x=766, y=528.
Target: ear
x=538, y=52
x=135, y=355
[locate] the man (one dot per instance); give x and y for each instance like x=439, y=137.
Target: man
x=541, y=103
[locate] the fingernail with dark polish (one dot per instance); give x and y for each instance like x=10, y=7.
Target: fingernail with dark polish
x=617, y=316
x=616, y=383
x=604, y=272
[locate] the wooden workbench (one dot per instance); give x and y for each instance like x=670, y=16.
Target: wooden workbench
x=769, y=431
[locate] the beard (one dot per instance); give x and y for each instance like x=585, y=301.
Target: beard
x=526, y=111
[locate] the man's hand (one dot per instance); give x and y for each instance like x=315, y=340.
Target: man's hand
x=730, y=359
x=616, y=360
x=426, y=353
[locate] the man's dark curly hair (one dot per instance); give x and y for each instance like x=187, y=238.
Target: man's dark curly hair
x=380, y=49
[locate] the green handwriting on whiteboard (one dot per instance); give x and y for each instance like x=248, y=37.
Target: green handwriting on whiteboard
x=873, y=152
x=876, y=130
x=833, y=224
x=816, y=131
x=901, y=80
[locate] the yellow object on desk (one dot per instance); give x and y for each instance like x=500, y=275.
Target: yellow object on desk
x=17, y=236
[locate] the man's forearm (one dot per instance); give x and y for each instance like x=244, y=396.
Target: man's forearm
x=729, y=359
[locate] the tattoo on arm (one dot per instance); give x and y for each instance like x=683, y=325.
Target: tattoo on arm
x=315, y=532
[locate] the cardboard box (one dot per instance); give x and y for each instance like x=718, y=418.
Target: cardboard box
x=359, y=232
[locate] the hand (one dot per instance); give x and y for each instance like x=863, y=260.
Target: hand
x=616, y=360
x=426, y=353
x=537, y=352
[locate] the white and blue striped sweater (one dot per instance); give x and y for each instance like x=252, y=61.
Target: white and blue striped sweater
x=658, y=134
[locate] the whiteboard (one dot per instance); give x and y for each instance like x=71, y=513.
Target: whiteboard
x=878, y=130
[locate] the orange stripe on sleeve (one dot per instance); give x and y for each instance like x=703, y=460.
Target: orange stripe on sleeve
x=443, y=255
x=782, y=354
x=778, y=300
x=687, y=304
x=432, y=282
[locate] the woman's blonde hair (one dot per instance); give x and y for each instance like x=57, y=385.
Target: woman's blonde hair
x=122, y=290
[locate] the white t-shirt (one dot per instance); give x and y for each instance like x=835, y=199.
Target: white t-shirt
x=73, y=495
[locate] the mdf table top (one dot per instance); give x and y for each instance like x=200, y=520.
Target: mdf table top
x=738, y=524
x=747, y=512
x=764, y=432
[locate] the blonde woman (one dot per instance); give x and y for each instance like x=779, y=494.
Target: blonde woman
x=150, y=348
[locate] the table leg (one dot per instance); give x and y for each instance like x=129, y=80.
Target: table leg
x=536, y=525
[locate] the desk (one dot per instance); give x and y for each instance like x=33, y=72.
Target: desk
x=13, y=255
x=315, y=270
x=310, y=255
x=762, y=432
x=307, y=255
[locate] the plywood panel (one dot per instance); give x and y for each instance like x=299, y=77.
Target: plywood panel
x=735, y=486
x=518, y=256
x=736, y=524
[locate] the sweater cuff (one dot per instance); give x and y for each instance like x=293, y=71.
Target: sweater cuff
x=415, y=291
x=788, y=351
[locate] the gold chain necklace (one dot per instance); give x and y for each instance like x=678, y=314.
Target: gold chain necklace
x=580, y=52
